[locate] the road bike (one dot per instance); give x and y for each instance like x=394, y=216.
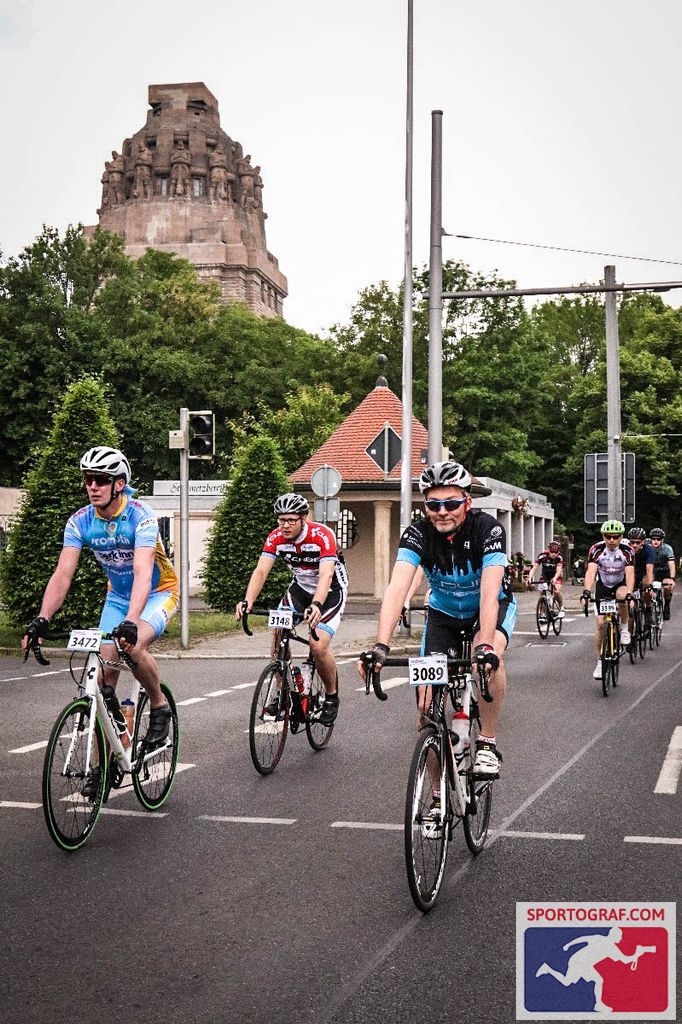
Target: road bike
x=547, y=610
x=442, y=789
x=92, y=748
x=288, y=695
x=610, y=648
x=639, y=629
x=656, y=614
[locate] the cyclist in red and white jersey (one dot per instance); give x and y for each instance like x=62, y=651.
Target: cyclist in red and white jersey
x=318, y=590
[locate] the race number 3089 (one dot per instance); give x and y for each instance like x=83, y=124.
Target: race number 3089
x=430, y=670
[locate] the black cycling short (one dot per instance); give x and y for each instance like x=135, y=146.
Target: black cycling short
x=332, y=609
x=602, y=593
x=661, y=573
x=442, y=633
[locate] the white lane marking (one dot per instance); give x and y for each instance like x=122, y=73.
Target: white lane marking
x=388, y=685
x=33, y=675
x=376, y=825
x=511, y=834
x=19, y=803
x=127, y=784
x=244, y=686
x=190, y=700
x=134, y=814
x=669, y=775
x=546, y=643
x=31, y=746
x=667, y=840
x=240, y=819
x=217, y=693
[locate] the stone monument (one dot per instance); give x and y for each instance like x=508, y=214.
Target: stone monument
x=182, y=185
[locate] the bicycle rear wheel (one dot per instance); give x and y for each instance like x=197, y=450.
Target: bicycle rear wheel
x=557, y=623
x=318, y=734
x=658, y=622
x=641, y=632
x=152, y=783
x=426, y=833
x=70, y=817
x=477, y=816
x=268, y=733
x=649, y=621
x=634, y=636
x=542, y=617
x=616, y=652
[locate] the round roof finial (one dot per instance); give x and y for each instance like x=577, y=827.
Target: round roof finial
x=381, y=381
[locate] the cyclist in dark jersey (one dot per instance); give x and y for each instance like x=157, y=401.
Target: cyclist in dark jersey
x=664, y=567
x=644, y=563
x=318, y=590
x=463, y=554
x=551, y=566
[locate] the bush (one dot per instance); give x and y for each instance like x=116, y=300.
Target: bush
x=242, y=522
x=53, y=492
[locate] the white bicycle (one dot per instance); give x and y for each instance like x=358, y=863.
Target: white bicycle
x=91, y=748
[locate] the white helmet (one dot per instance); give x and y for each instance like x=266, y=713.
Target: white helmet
x=102, y=459
x=291, y=504
x=444, y=474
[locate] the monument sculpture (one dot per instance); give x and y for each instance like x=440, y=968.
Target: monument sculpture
x=181, y=184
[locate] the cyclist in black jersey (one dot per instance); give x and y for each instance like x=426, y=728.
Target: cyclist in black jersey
x=664, y=567
x=552, y=565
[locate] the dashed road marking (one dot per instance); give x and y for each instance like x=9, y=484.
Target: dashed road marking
x=389, y=684
x=671, y=768
x=378, y=826
x=20, y=803
x=29, y=747
x=511, y=834
x=665, y=840
x=190, y=700
x=244, y=820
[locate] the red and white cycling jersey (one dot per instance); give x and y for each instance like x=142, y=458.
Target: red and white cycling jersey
x=611, y=564
x=315, y=543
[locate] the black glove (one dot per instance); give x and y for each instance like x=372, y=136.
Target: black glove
x=489, y=656
x=37, y=629
x=127, y=631
x=585, y=596
x=380, y=652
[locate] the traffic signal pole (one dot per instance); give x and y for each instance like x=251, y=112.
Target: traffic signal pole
x=184, y=530
x=613, y=417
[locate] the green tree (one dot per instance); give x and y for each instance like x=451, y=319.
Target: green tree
x=53, y=491
x=243, y=520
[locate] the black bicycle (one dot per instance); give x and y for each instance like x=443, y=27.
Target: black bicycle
x=548, y=609
x=288, y=695
x=639, y=631
x=442, y=789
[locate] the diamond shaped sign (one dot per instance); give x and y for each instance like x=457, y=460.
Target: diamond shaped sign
x=385, y=450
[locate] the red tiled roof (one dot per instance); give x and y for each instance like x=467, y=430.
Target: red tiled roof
x=345, y=449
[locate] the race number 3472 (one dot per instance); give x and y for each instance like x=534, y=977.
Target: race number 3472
x=578, y=961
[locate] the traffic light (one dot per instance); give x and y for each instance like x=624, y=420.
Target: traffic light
x=201, y=435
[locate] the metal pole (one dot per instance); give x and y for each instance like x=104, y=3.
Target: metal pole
x=435, y=417
x=583, y=289
x=406, y=447
x=613, y=427
x=184, y=533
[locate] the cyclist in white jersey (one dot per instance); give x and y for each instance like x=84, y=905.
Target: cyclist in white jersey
x=611, y=570
x=318, y=590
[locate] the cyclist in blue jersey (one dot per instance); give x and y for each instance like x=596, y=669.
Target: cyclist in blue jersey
x=664, y=567
x=463, y=554
x=142, y=592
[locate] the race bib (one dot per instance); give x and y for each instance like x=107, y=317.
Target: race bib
x=431, y=670
x=636, y=595
x=281, y=618
x=657, y=585
x=542, y=586
x=605, y=607
x=84, y=640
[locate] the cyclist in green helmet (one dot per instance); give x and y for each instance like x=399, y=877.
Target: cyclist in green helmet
x=611, y=570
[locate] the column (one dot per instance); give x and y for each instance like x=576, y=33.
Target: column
x=382, y=546
x=505, y=518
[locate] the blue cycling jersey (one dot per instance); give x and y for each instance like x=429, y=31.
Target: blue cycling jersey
x=113, y=542
x=453, y=565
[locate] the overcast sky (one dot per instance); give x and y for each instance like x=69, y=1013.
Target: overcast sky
x=561, y=126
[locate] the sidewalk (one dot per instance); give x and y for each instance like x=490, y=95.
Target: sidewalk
x=356, y=633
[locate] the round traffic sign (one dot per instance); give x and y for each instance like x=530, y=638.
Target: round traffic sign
x=326, y=482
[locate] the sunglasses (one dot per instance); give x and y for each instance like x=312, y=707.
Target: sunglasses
x=449, y=504
x=100, y=479
x=636, y=541
x=612, y=536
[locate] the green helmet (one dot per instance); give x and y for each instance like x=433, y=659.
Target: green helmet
x=613, y=526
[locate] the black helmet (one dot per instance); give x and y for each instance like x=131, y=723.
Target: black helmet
x=636, y=533
x=657, y=533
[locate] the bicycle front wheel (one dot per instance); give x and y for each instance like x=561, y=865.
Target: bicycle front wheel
x=318, y=734
x=477, y=816
x=557, y=623
x=641, y=632
x=658, y=623
x=542, y=617
x=426, y=829
x=649, y=623
x=70, y=816
x=268, y=731
x=153, y=780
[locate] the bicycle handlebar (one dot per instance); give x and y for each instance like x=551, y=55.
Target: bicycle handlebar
x=266, y=611
x=33, y=647
x=587, y=601
x=372, y=673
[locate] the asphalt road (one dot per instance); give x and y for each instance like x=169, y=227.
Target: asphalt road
x=306, y=916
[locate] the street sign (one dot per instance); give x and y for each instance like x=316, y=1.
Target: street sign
x=596, y=483
x=326, y=481
x=327, y=510
x=385, y=450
